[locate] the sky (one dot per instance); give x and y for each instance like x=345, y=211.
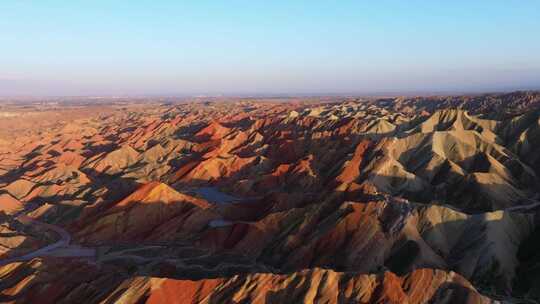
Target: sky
x=103, y=47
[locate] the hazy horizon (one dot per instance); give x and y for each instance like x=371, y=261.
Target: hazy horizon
x=280, y=48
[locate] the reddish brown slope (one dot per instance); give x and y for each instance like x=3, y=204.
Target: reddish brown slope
x=137, y=216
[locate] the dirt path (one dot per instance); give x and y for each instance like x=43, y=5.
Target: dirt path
x=60, y=248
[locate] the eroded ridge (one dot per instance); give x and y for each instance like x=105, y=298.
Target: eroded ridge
x=395, y=200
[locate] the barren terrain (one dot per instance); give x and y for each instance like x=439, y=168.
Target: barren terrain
x=237, y=200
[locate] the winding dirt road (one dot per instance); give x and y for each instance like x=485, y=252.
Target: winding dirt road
x=63, y=248
x=60, y=248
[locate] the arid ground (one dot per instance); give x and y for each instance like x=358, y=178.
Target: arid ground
x=290, y=200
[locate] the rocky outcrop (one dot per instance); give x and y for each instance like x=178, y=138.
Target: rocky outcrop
x=384, y=200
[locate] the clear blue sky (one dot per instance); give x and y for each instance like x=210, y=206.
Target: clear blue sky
x=268, y=47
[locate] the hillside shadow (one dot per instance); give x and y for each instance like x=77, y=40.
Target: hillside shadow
x=102, y=191
x=401, y=260
x=465, y=193
x=455, y=293
x=218, y=264
x=472, y=239
x=187, y=132
x=528, y=272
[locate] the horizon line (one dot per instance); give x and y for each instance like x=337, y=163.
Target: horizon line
x=380, y=94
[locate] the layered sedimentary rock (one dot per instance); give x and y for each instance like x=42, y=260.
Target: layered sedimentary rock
x=393, y=200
